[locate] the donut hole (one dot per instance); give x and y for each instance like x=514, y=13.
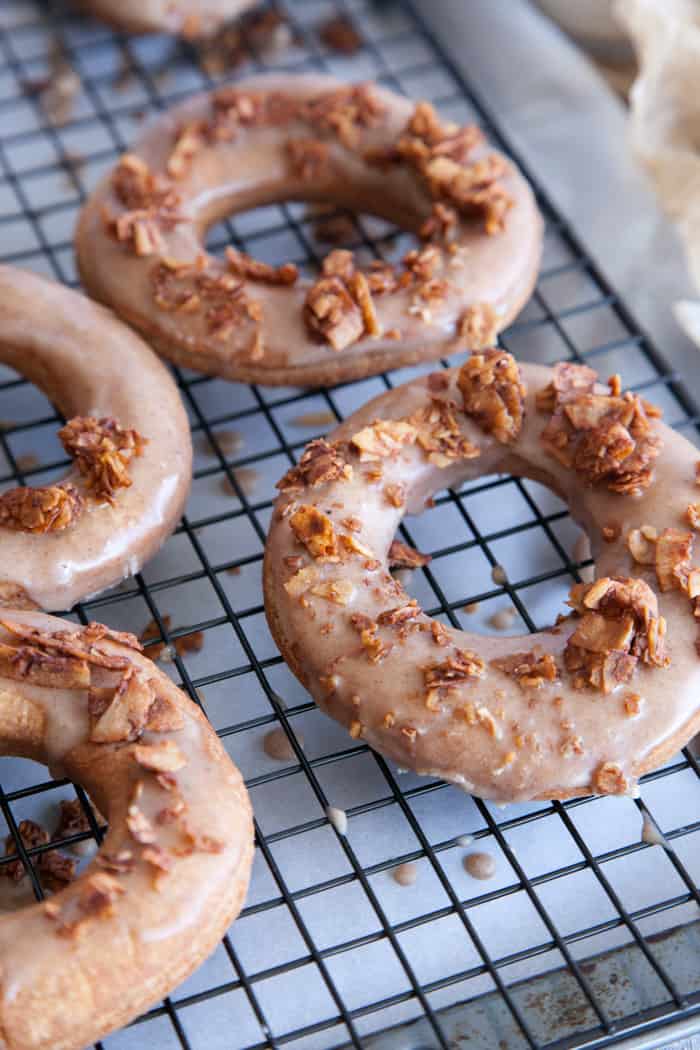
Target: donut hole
x=55, y=826
x=304, y=232
x=502, y=552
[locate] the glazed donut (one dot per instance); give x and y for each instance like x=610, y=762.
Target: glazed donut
x=585, y=706
x=173, y=869
x=127, y=434
x=190, y=18
x=140, y=236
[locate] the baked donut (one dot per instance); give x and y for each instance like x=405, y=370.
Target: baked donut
x=140, y=236
x=127, y=434
x=173, y=869
x=190, y=18
x=585, y=706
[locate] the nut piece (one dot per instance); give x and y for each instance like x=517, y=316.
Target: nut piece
x=439, y=434
x=48, y=509
x=315, y=530
x=493, y=393
x=102, y=452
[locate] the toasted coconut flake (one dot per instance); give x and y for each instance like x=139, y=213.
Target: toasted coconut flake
x=321, y=462
x=620, y=627
x=315, y=530
x=383, y=438
x=610, y=780
x=340, y=592
x=102, y=452
x=302, y=581
x=674, y=550
x=122, y=714
x=478, y=326
x=605, y=438
x=403, y=556
x=531, y=670
x=162, y=757
x=48, y=509
x=439, y=434
x=642, y=549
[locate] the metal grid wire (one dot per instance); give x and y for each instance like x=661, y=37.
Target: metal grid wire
x=328, y=948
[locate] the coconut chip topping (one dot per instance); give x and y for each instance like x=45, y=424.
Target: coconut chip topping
x=530, y=670
x=493, y=393
x=320, y=463
x=132, y=713
x=339, y=307
x=102, y=452
x=441, y=154
x=48, y=509
x=619, y=629
x=606, y=438
x=151, y=203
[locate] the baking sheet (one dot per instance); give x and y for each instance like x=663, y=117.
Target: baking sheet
x=330, y=948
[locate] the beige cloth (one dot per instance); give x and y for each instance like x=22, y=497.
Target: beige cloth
x=665, y=119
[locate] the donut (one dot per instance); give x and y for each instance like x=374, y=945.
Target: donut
x=140, y=248
x=127, y=436
x=585, y=706
x=173, y=869
x=189, y=18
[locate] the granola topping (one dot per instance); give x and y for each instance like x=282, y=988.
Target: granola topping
x=339, y=306
x=321, y=462
x=478, y=326
x=619, y=629
x=102, y=452
x=403, y=556
x=531, y=670
x=49, y=509
x=439, y=434
x=493, y=393
x=606, y=438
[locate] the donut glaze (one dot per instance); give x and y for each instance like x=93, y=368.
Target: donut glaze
x=191, y=18
x=477, y=283
x=91, y=365
x=173, y=869
x=431, y=697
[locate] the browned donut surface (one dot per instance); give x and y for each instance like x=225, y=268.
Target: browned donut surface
x=173, y=869
x=191, y=18
x=127, y=436
x=140, y=236
x=585, y=706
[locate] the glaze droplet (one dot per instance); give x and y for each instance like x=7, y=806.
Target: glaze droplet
x=277, y=745
x=405, y=874
x=480, y=865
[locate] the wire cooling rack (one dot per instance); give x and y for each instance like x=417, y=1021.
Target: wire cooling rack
x=330, y=950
